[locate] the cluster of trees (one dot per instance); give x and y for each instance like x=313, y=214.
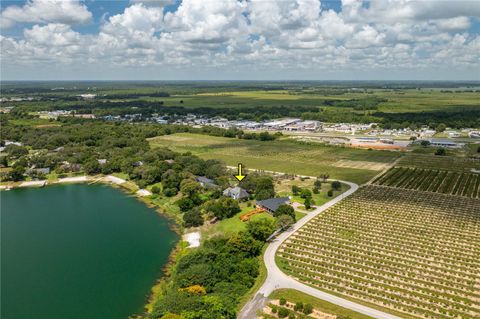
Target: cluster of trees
x=369, y=103
x=207, y=282
x=306, y=194
x=79, y=145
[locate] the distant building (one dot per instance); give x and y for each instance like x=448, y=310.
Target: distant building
x=36, y=171
x=236, y=193
x=445, y=143
x=474, y=134
x=138, y=163
x=43, y=170
x=272, y=204
x=87, y=96
x=206, y=182
x=102, y=161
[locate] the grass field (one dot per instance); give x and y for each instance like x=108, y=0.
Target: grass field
x=283, y=187
x=282, y=156
x=405, y=251
x=407, y=100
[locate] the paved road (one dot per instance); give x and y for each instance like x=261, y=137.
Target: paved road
x=276, y=279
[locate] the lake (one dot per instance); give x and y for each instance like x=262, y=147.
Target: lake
x=79, y=251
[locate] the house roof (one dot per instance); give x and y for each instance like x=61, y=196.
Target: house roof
x=273, y=203
x=205, y=180
x=237, y=192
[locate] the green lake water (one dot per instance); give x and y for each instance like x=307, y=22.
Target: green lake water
x=79, y=251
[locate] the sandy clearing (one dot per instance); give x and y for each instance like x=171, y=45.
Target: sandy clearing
x=33, y=183
x=114, y=179
x=193, y=239
x=143, y=192
x=75, y=179
x=374, y=166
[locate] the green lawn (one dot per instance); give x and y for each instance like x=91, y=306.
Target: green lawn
x=294, y=296
x=283, y=156
x=233, y=224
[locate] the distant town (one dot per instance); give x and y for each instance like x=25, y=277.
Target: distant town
x=369, y=135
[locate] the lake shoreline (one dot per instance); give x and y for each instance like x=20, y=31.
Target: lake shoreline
x=122, y=185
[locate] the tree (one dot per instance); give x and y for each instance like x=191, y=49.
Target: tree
x=170, y=179
x=169, y=192
x=324, y=176
x=441, y=152
x=16, y=174
x=193, y=218
x=171, y=316
x=307, y=309
x=284, y=221
x=264, y=188
x=283, y=312
x=244, y=242
x=317, y=183
x=308, y=203
x=298, y=306
x=185, y=204
x=330, y=193
x=229, y=207
x=305, y=193
x=425, y=143
x=285, y=209
x=15, y=151
x=316, y=190
x=222, y=208
x=91, y=167
x=336, y=185
x=295, y=190
x=155, y=189
x=440, y=127
x=261, y=229
x=3, y=161
x=188, y=187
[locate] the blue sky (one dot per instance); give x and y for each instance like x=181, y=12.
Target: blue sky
x=231, y=39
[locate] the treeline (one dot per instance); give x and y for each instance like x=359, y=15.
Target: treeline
x=453, y=119
x=133, y=95
x=370, y=103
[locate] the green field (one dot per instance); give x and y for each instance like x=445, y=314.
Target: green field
x=282, y=156
x=406, y=100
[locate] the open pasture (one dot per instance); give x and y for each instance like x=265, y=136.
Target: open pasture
x=283, y=156
x=416, y=254
x=407, y=100
x=433, y=180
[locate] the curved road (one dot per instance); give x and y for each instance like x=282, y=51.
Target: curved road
x=276, y=279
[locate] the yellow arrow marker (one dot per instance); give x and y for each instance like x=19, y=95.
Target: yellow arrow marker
x=240, y=175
